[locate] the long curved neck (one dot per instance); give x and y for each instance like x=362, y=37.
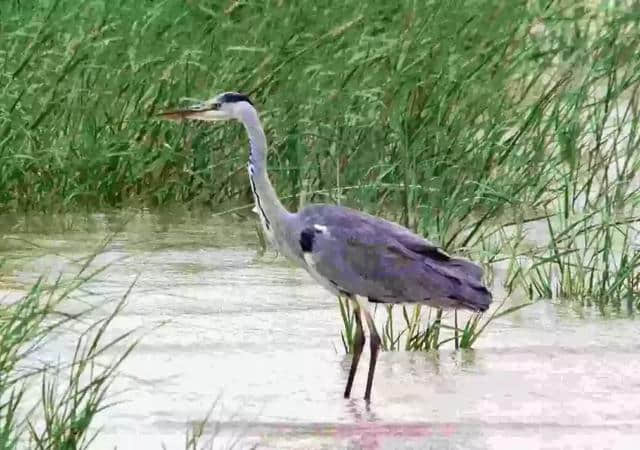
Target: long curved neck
x=272, y=214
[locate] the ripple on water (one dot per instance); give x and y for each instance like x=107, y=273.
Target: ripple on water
x=258, y=340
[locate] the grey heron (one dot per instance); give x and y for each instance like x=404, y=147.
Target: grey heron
x=362, y=257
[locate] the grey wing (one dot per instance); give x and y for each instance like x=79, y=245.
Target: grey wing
x=364, y=255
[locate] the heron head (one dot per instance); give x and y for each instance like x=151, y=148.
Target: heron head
x=226, y=106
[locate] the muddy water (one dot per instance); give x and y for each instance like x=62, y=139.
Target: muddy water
x=255, y=342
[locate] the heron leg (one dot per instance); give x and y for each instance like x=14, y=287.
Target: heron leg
x=358, y=344
x=374, y=342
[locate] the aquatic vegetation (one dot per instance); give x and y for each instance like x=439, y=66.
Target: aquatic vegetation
x=48, y=405
x=418, y=331
x=573, y=268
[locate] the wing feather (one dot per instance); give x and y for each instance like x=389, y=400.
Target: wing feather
x=372, y=257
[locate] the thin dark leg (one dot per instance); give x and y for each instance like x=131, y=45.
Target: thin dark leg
x=358, y=344
x=375, y=348
x=455, y=325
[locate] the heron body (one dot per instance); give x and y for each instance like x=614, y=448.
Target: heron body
x=350, y=253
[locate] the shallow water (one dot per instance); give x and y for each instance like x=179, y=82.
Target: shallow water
x=256, y=341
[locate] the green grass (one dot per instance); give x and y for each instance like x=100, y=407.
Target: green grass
x=53, y=405
x=461, y=120
x=423, y=106
x=419, y=328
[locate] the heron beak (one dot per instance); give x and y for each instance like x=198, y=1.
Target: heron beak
x=201, y=111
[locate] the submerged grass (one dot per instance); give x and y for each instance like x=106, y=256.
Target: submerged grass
x=463, y=121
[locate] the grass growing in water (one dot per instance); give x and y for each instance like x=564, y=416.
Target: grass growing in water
x=71, y=394
x=415, y=332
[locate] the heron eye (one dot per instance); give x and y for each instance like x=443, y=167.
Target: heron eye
x=216, y=105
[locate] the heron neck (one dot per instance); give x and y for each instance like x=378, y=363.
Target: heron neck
x=272, y=213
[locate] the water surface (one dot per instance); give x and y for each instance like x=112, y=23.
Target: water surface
x=254, y=338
